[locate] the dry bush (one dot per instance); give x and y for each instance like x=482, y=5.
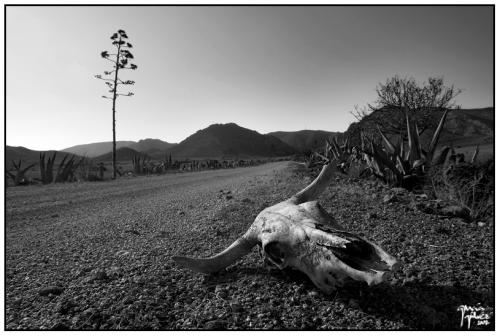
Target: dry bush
x=468, y=185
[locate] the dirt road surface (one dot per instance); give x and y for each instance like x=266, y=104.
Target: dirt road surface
x=98, y=256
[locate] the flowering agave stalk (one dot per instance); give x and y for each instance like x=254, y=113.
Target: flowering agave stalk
x=402, y=164
x=120, y=61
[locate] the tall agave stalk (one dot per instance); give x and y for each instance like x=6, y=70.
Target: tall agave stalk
x=19, y=178
x=400, y=164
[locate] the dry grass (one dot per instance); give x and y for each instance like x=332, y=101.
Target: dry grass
x=468, y=185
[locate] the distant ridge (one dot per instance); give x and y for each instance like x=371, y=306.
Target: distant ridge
x=122, y=154
x=306, y=139
x=147, y=146
x=230, y=140
x=97, y=148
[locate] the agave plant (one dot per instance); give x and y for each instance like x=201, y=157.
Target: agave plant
x=343, y=154
x=66, y=170
x=403, y=164
x=46, y=168
x=19, y=178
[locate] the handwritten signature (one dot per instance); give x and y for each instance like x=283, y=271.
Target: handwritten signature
x=477, y=312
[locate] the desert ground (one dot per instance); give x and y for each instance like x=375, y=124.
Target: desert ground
x=97, y=255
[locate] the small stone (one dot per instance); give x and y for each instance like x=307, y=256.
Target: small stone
x=54, y=290
x=221, y=292
x=17, y=301
x=399, y=191
x=390, y=198
x=60, y=326
x=481, y=224
x=455, y=211
x=422, y=197
x=409, y=280
x=236, y=307
x=313, y=294
x=65, y=306
x=100, y=275
x=215, y=325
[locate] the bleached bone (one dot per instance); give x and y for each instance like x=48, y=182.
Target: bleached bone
x=299, y=233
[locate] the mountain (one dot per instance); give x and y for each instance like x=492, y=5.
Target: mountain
x=466, y=126
x=306, y=139
x=152, y=147
x=97, y=148
x=122, y=154
x=230, y=140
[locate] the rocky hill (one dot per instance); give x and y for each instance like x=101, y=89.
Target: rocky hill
x=230, y=140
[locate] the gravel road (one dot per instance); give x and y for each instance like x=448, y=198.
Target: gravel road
x=98, y=256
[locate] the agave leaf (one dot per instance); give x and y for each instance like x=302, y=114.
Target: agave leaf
x=403, y=166
x=383, y=160
x=26, y=169
x=327, y=147
x=417, y=164
x=388, y=144
x=435, y=137
x=336, y=147
x=417, y=152
x=441, y=157
x=12, y=176
x=474, y=156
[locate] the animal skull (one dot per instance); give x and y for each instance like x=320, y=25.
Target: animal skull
x=299, y=233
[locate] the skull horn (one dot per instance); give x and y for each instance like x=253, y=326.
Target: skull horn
x=313, y=190
x=235, y=251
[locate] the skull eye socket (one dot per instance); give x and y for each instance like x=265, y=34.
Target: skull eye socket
x=274, y=252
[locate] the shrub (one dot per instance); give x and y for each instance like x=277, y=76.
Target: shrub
x=469, y=185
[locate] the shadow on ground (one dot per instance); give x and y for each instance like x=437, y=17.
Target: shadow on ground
x=419, y=305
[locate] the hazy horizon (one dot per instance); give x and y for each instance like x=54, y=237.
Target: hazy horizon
x=268, y=69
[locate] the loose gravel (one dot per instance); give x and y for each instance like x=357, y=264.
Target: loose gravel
x=97, y=255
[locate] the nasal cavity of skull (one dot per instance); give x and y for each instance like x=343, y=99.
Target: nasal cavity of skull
x=360, y=255
x=275, y=253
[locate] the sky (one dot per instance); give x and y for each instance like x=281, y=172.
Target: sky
x=265, y=68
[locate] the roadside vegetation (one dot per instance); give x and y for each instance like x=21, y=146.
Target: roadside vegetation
x=388, y=144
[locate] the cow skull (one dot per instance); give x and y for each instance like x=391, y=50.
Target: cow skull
x=299, y=233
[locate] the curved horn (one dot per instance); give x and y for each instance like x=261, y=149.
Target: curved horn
x=313, y=190
x=235, y=251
